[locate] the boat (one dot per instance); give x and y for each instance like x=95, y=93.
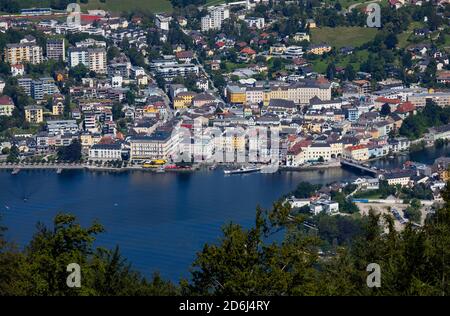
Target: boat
x=160, y=170
x=242, y=170
x=15, y=171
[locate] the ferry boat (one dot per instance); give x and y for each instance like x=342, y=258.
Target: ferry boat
x=242, y=170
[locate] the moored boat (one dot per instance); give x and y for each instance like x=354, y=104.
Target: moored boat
x=242, y=170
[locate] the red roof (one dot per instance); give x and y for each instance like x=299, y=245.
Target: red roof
x=248, y=51
x=386, y=100
x=357, y=147
x=220, y=44
x=90, y=18
x=405, y=107
x=6, y=100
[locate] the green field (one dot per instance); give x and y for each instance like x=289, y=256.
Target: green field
x=343, y=36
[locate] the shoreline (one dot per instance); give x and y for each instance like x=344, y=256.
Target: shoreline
x=202, y=167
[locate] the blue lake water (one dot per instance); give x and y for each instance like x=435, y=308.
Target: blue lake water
x=159, y=221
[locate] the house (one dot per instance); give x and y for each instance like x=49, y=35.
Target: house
x=6, y=106
x=319, y=49
x=311, y=24
x=201, y=99
x=281, y=106
x=295, y=155
x=399, y=144
x=247, y=53
x=322, y=205
x=402, y=178
x=364, y=86
x=34, y=114
x=185, y=56
x=297, y=203
x=443, y=77
x=358, y=153
x=405, y=109
x=17, y=70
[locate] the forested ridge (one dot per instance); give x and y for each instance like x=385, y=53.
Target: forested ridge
x=243, y=262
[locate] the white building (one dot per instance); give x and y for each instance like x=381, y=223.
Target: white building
x=105, y=152
x=216, y=15
x=93, y=58
x=163, y=22
x=258, y=23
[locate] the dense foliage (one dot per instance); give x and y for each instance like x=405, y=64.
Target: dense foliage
x=432, y=115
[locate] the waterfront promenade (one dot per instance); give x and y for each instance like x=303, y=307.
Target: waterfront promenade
x=132, y=167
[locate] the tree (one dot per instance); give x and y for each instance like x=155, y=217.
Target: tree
x=349, y=72
x=331, y=71
x=70, y=153
x=385, y=109
x=13, y=155
x=41, y=268
x=305, y=190
x=78, y=72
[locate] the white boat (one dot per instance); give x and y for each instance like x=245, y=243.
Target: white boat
x=242, y=170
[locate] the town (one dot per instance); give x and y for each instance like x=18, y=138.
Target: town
x=102, y=91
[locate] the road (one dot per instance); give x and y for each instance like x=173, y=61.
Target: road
x=351, y=7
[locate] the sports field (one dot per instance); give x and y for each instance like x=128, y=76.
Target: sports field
x=343, y=36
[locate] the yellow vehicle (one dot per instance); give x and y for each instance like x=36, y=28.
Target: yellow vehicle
x=154, y=163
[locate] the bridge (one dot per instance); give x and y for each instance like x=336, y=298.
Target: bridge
x=357, y=165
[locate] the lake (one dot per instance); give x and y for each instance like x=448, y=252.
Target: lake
x=159, y=220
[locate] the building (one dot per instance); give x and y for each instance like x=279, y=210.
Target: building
x=170, y=71
x=159, y=145
x=420, y=99
x=6, y=106
x=163, y=21
x=318, y=151
x=299, y=92
x=43, y=87
x=398, y=178
x=258, y=23
x=93, y=58
x=216, y=15
x=17, y=70
x=56, y=49
x=58, y=104
x=34, y=114
x=319, y=49
x=357, y=153
x=62, y=127
x=301, y=36
x=27, y=51
x=108, y=152
x=364, y=87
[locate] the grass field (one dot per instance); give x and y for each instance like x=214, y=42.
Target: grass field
x=343, y=36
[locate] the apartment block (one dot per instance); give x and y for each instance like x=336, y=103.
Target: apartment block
x=56, y=49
